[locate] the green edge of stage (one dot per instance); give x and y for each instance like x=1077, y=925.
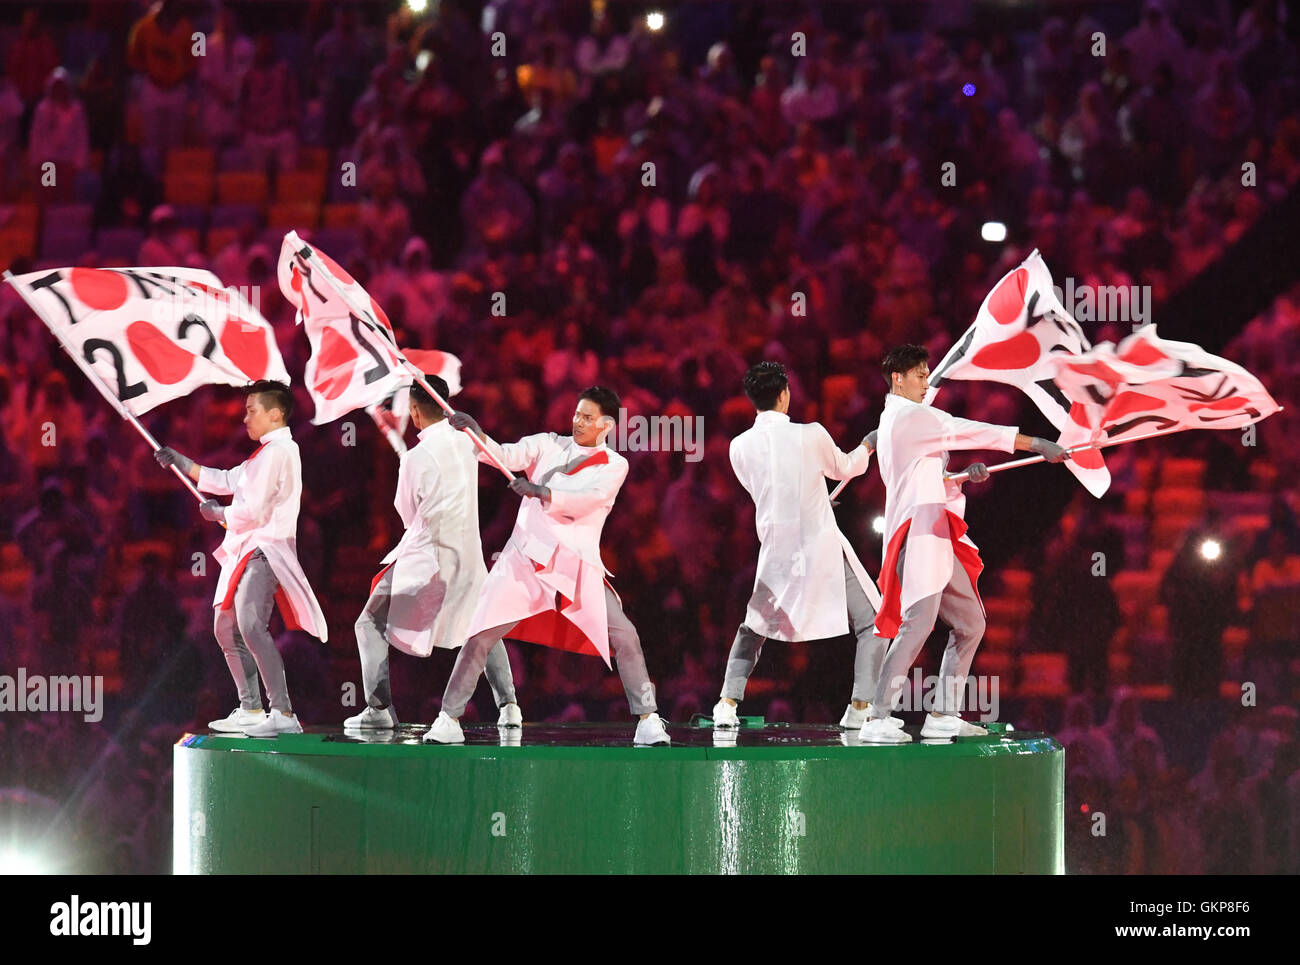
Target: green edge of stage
x=303, y=804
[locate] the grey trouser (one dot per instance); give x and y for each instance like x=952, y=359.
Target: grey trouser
x=624, y=645
x=245, y=638
x=867, y=659
x=959, y=607
x=372, y=644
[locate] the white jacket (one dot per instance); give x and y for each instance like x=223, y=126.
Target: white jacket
x=799, y=586
x=555, y=546
x=267, y=490
x=437, y=565
x=921, y=507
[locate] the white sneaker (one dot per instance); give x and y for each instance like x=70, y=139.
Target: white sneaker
x=275, y=724
x=385, y=719
x=853, y=718
x=724, y=715
x=651, y=731
x=445, y=730
x=237, y=720
x=511, y=716
x=878, y=730
x=950, y=725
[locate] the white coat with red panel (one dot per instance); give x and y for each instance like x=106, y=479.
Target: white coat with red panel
x=923, y=511
x=550, y=578
x=263, y=514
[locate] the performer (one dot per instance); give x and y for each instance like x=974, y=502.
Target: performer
x=259, y=560
x=810, y=584
x=546, y=586
x=931, y=566
x=426, y=593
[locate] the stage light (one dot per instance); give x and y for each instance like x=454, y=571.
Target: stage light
x=878, y=525
x=1211, y=550
x=15, y=862
x=422, y=60
x=417, y=6
x=993, y=231
x=654, y=20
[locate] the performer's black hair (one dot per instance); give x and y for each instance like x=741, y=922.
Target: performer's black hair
x=903, y=359
x=424, y=400
x=607, y=399
x=764, y=384
x=272, y=395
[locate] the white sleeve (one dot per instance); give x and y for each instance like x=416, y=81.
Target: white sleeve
x=936, y=431
x=520, y=456
x=833, y=463
x=262, y=492
x=220, y=481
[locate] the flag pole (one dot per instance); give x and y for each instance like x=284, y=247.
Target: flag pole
x=391, y=434
x=1030, y=460
x=26, y=292
x=306, y=251
x=1017, y=463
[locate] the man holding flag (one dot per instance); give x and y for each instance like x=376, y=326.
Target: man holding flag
x=259, y=560
x=548, y=584
x=931, y=566
x=426, y=593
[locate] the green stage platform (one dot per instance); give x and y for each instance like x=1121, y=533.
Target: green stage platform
x=579, y=798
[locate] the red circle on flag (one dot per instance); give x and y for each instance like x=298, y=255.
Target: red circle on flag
x=245, y=345
x=1126, y=403
x=162, y=358
x=334, y=367
x=99, y=288
x=1079, y=414
x=1008, y=299
x=1017, y=352
x=1089, y=459
x=1143, y=353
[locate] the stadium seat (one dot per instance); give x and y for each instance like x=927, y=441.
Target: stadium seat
x=188, y=187
x=314, y=159
x=300, y=186
x=1182, y=472
x=1044, y=675
x=15, y=243
x=242, y=187
x=219, y=238
x=234, y=215
x=191, y=160
x=69, y=216
x=341, y=216
x=1136, y=590
x=1183, y=501
x=1167, y=531
x=236, y=159
x=122, y=244
x=302, y=215
x=24, y=216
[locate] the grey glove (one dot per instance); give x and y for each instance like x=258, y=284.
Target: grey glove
x=978, y=472
x=168, y=456
x=463, y=420
x=869, y=440
x=522, y=487
x=1048, y=450
x=213, y=510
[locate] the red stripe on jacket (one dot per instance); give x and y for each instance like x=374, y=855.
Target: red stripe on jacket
x=890, y=616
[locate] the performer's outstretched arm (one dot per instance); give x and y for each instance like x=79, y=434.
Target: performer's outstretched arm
x=219, y=481
x=836, y=464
